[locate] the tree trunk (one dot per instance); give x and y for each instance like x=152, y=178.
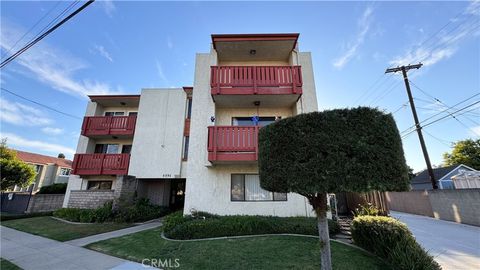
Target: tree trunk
x=319, y=203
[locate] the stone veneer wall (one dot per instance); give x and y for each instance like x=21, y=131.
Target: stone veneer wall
x=89, y=198
x=45, y=202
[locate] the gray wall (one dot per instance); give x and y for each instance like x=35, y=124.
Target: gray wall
x=89, y=198
x=45, y=202
x=458, y=205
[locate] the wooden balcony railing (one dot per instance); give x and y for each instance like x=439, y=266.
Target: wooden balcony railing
x=251, y=80
x=101, y=164
x=233, y=143
x=108, y=125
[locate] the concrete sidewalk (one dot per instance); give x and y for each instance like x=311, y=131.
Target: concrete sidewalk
x=454, y=245
x=81, y=242
x=34, y=252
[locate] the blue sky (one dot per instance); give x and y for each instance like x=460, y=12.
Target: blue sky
x=120, y=47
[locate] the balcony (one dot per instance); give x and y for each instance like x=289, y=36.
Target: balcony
x=104, y=126
x=101, y=164
x=273, y=86
x=231, y=144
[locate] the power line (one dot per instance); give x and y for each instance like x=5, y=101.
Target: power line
x=441, y=118
x=40, y=104
x=30, y=44
x=444, y=142
x=443, y=111
x=33, y=27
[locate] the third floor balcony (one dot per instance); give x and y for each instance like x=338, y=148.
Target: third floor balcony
x=271, y=85
x=102, y=126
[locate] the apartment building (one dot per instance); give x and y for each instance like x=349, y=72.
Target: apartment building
x=49, y=170
x=196, y=147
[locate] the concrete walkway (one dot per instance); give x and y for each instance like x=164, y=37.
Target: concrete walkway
x=29, y=251
x=454, y=246
x=81, y=242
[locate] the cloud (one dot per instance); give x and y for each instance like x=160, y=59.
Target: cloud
x=169, y=43
x=103, y=52
x=109, y=7
x=22, y=115
x=53, y=66
x=475, y=131
x=446, y=43
x=16, y=141
x=160, y=72
x=363, y=27
x=52, y=131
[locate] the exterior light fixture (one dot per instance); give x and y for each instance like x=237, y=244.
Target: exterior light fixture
x=253, y=52
x=123, y=103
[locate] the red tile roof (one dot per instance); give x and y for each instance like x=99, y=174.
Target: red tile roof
x=41, y=159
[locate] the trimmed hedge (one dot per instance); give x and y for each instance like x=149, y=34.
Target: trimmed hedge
x=177, y=226
x=140, y=210
x=60, y=188
x=391, y=240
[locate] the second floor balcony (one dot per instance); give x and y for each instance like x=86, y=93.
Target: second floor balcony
x=101, y=164
x=231, y=144
x=256, y=83
x=102, y=126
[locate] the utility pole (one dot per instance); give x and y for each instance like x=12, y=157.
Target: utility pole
x=404, y=70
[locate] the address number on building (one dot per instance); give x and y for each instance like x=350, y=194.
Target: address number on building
x=167, y=175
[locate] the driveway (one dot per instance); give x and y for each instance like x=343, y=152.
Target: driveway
x=35, y=252
x=454, y=245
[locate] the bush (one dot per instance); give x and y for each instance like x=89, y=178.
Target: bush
x=197, y=226
x=140, y=210
x=60, y=188
x=366, y=210
x=390, y=239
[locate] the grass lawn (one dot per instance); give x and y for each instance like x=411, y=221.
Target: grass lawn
x=6, y=265
x=269, y=252
x=58, y=230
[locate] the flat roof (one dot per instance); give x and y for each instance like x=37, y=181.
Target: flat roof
x=254, y=37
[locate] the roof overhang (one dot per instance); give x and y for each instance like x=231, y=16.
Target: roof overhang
x=116, y=100
x=254, y=47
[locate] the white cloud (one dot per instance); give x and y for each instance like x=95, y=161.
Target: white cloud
x=109, y=7
x=364, y=26
x=16, y=141
x=53, y=66
x=160, y=72
x=103, y=52
x=169, y=43
x=446, y=43
x=52, y=131
x=22, y=115
x=475, y=131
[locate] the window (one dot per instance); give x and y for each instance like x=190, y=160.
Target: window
x=65, y=171
x=114, y=113
x=93, y=185
x=189, y=108
x=132, y=113
x=126, y=149
x=246, y=187
x=248, y=121
x=106, y=148
x=186, y=141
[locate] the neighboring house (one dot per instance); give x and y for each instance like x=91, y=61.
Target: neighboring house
x=50, y=170
x=196, y=147
x=443, y=176
x=466, y=180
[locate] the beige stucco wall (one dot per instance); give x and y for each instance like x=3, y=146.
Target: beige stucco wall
x=157, y=144
x=208, y=186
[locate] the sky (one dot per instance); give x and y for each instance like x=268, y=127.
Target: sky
x=120, y=47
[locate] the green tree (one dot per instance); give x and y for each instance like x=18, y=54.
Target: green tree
x=345, y=150
x=465, y=152
x=411, y=174
x=13, y=171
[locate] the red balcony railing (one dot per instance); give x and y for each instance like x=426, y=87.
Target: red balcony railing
x=108, y=125
x=101, y=164
x=251, y=80
x=233, y=143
